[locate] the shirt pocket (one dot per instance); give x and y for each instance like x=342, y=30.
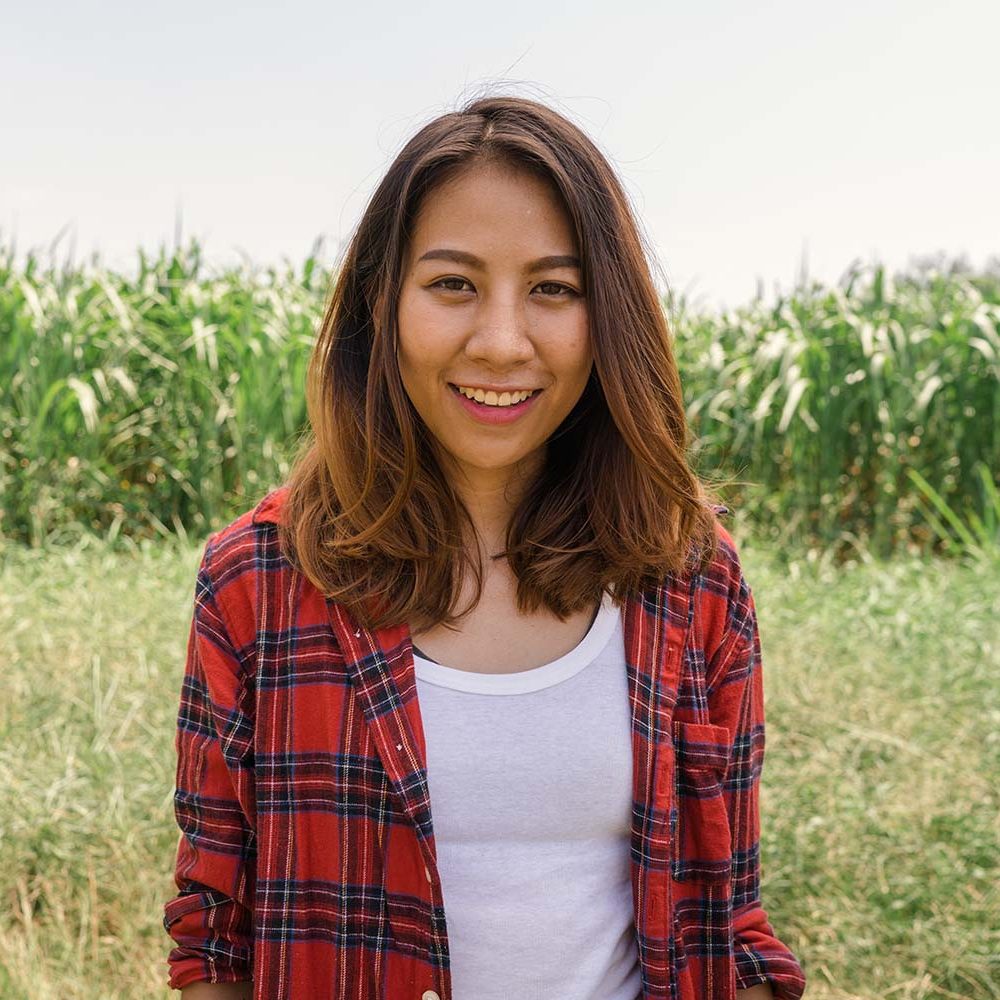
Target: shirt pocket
x=702, y=844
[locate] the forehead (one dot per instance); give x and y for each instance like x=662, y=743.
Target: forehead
x=497, y=204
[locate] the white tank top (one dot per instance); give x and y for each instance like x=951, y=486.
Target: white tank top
x=530, y=780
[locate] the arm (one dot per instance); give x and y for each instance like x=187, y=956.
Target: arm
x=211, y=918
x=736, y=701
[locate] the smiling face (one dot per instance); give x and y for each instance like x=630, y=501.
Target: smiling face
x=491, y=298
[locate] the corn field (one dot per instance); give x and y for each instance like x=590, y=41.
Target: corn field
x=861, y=416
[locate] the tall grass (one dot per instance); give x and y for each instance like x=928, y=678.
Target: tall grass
x=862, y=416
x=857, y=411
x=146, y=406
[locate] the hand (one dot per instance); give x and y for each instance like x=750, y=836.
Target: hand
x=762, y=991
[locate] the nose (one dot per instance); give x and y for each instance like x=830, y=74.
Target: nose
x=501, y=337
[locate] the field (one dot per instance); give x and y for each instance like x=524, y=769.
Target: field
x=863, y=425
x=851, y=417
x=880, y=793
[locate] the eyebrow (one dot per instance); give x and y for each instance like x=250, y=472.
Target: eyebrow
x=471, y=260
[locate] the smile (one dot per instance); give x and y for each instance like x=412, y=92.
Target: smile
x=492, y=407
x=491, y=398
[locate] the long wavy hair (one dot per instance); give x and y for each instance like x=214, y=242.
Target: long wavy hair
x=370, y=518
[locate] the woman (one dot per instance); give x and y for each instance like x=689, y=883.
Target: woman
x=473, y=704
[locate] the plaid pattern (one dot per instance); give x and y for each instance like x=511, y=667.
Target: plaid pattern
x=306, y=860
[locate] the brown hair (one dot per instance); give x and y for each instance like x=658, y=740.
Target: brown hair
x=370, y=519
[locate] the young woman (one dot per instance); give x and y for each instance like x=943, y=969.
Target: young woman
x=473, y=704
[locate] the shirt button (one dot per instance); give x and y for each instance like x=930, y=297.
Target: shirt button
x=429, y=995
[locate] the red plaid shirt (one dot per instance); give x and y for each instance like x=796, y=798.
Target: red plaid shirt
x=306, y=860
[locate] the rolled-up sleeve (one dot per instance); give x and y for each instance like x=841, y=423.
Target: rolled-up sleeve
x=736, y=701
x=210, y=920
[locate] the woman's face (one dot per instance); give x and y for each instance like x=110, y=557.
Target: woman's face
x=492, y=298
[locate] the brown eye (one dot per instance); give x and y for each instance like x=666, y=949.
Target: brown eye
x=445, y=281
x=559, y=289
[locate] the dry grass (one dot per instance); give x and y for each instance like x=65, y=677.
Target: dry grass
x=879, y=804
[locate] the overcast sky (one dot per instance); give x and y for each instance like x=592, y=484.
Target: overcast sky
x=749, y=135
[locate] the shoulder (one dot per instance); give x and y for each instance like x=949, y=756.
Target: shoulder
x=720, y=596
x=238, y=556
x=234, y=541
x=268, y=510
x=724, y=569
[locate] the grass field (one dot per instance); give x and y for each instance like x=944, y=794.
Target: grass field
x=880, y=847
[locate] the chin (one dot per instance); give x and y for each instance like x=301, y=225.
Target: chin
x=493, y=463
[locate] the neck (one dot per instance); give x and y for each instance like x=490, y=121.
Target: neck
x=491, y=496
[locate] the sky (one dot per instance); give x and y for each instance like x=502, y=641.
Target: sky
x=758, y=142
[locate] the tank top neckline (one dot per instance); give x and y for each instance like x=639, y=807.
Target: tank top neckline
x=533, y=679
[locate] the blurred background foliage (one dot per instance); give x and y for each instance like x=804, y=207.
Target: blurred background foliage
x=862, y=417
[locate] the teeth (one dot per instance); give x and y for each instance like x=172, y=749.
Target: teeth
x=492, y=399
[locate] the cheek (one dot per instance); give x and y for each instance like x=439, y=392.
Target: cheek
x=575, y=354
x=413, y=343
x=425, y=340
x=420, y=365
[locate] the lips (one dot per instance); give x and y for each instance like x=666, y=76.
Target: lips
x=484, y=413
